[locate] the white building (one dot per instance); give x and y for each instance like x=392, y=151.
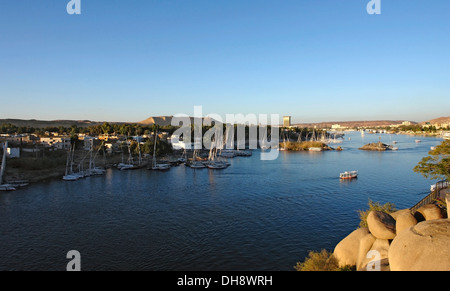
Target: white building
x=13, y=153
x=61, y=143
x=178, y=144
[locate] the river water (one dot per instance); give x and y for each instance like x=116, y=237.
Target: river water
x=254, y=215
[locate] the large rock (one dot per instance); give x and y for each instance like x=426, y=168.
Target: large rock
x=365, y=244
x=381, y=225
x=447, y=200
x=399, y=212
x=346, y=251
x=428, y=212
x=377, y=256
x=423, y=247
x=404, y=220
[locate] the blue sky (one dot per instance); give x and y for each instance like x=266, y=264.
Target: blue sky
x=320, y=60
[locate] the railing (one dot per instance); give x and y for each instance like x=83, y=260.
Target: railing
x=430, y=197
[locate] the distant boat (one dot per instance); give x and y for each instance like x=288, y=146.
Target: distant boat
x=213, y=161
x=216, y=165
x=70, y=177
x=197, y=165
x=7, y=188
x=349, y=175
x=315, y=149
x=418, y=140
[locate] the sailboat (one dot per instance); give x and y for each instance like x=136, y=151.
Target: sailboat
x=93, y=170
x=70, y=175
x=130, y=164
x=5, y=187
x=155, y=165
x=214, y=163
x=196, y=164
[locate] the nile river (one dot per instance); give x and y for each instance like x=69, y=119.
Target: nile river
x=254, y=215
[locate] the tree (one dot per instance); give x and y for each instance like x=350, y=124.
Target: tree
x=437, y=164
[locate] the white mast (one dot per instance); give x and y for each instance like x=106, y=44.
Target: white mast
x=154, y=149
x=2, y=170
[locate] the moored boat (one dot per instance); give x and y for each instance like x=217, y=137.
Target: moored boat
x=315, y=149
x=349, y=175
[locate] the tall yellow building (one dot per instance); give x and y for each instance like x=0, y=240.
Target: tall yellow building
x=286, y=121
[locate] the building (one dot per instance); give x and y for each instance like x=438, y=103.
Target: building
x=61, y=143
x=13, y=153
x=179, y=144
x=286, y=121
x=338, y=126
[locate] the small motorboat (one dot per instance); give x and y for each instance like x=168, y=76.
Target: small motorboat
x=197, y=165
x=315, y=149
x=7, y=188
x=160, y=167
x=349, y=175
x=218, y=165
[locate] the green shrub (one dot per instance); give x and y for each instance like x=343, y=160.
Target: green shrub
x=320, y=261
x=375, y=206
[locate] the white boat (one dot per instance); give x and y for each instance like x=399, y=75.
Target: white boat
x=70, y=178
x=213, y=162
x=7, y=188
x=349, y=175
x=315, y=149
x=418, y=140
x=228, y=154
x=218, y=165
x=197, y=165
x=161, y=167
x=444, y=184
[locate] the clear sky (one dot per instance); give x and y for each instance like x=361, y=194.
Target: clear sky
x=316, y=60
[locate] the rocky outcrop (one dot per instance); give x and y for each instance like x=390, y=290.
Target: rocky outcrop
x=398, y=241
x=423, y=247
x=381, y=225
x=379, y=146
x=403, y=220
x=447, y=201
x=345, y=251
x=428, y=212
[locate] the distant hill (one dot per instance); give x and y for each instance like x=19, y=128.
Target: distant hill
x=159, y=120
x=49, y=123
x=350, y=124
x=439, y=120
x=165, y=120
